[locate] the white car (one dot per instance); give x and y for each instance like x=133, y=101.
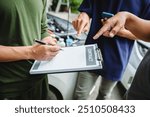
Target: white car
x=139, y=50
x=63, y=85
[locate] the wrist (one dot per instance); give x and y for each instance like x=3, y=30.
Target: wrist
x=128, y=17
x=30, y=52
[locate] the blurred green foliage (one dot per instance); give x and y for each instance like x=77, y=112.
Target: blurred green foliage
x=75, y=5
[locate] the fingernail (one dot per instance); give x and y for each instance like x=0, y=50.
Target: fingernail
x=111, y=35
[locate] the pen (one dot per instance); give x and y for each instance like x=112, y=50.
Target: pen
x=43, y=43
x=40, y=42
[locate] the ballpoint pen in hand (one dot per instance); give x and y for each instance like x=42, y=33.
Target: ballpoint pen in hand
x=43, y=43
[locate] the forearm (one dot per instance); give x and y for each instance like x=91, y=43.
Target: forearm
x=34, y=52
x=126, y=34
x=139, y=27
x=15, y=53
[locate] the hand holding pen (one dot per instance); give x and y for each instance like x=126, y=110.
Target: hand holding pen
x=43, y=43
x=44, y=51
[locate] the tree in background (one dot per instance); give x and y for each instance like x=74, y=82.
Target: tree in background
x=75, y=5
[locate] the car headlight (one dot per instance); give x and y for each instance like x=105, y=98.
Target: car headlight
x=142, y=48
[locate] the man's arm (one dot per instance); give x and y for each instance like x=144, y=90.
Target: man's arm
x=35, y=52
x=139, y=27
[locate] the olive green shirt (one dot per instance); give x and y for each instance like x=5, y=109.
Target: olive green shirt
x=21, y=21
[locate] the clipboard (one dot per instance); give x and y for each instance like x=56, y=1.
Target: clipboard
x=71, y=59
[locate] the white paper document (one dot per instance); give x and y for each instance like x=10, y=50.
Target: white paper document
x=79, y=58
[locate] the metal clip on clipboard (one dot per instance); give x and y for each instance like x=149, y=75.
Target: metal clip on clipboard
x=99, y=56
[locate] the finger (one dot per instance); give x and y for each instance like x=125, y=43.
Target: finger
x=53, y=54
x=53, y=42
x=86, y=28
x=105, y=28
x=81, y=25
x=115, y=30
x=54, y=48
x=49, y=40
x=105, y=19
x=102, y=20
x=74, y=23
x=50, y=32
x=106, y=34
x=50, y=56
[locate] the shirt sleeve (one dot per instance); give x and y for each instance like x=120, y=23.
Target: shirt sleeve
x=44, y=28
x=146, y=10
x=86, y=6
